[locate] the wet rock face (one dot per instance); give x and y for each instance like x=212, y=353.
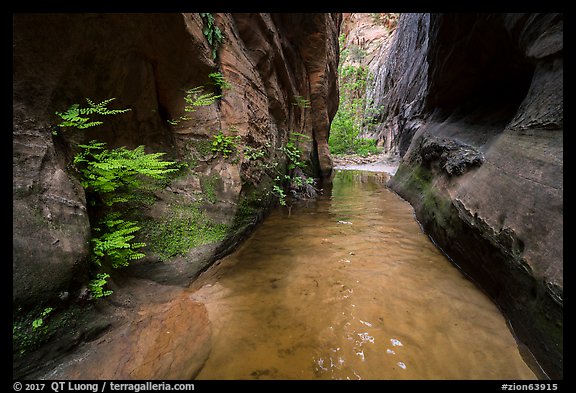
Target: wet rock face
x=400, y=72
x=50, y=222
x=162, y=340
x=481, y=137
x=147, y=62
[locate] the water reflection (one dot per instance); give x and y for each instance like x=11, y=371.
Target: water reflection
x=348, y=287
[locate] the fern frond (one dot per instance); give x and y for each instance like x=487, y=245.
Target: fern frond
x=72, y=117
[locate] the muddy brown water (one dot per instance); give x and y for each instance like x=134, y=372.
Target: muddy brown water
x=349, y=287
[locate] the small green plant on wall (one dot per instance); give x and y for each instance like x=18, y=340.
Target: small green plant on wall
x=295, y=180
x=301, y=102
x=38, y=323
x=212, y=33
x=97, y=286
x=225, y=144
x=109, y=177
x=195, y=98
x=217, y=79
x=76, y=117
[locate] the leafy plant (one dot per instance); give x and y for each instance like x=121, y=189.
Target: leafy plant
x=224, y=144
x=115, y=241
x=39, y=322
x=195, y=98
x=353, y=112
x=293, y=152
x=96, y=286
x=113, y=174
x=295, y=180
x=217, y=79
x=279, y=191
x=73, y=117
x=252, y=153
x=301, y=102
x=212, y=33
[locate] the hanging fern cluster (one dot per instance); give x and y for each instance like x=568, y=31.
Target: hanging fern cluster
x=73, y=116
x=111, y=176
x=195, y=98
x=115, y=241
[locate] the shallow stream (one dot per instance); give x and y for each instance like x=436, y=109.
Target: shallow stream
x=349, y=287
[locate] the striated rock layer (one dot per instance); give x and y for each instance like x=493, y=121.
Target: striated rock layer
x=147, y=62
x=474, y=105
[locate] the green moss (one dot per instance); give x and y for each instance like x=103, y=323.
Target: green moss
x=253, y=201
x=183, y=228
x=203, y=147
x=435, y=209
x=209, y=184
x=26, y=337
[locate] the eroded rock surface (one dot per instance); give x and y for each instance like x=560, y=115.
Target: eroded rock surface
x=478, y=122
x=154, y=339
x=281, y=71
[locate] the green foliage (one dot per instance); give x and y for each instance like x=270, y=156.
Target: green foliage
x=183, y=228
x=73, y=117
x=96, y=286
x=294, y=180
x=217, y=79
x=114, y=174
x=39, y=322
x=353, y=112
x=366, y=146
x=209, y=187
x=212, y=33
x=292, y=150
x=195, y=98
x=301, y=102
x=279, y=191
x=252, y=153
x=357, y=53
x=225, y=144
x=115, y=241
x=30, y=330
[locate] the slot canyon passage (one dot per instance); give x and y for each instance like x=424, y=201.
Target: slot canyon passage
x=288, y=196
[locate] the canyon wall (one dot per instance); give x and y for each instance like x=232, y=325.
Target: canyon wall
x=281, y=71
x=473, y=103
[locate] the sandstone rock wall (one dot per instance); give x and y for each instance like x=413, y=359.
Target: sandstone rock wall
x=400, y=74
x=146, y=62
x=475, y=108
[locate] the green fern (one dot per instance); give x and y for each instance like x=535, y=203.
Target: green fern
x=110, y=171
x=97, y=286
x=217, y=79
x=114, y=175
x=73, y=117
x=195, y=98
x=115, y=242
